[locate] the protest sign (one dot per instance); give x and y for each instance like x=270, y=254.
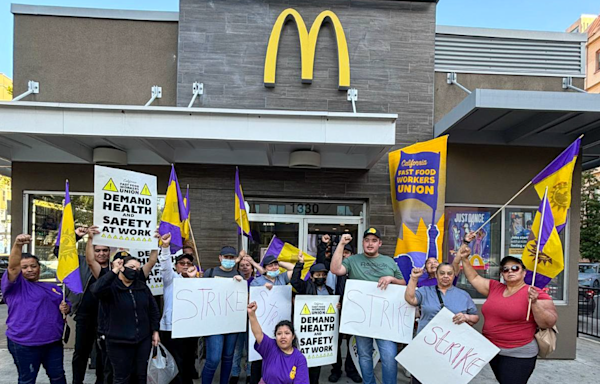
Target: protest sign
x=154, y=282
x=457, y=351
x=316, y=323
x=125, y=208
x=354, y=354
x=382, y=314
x=204, y=307
x=462, y=221
x=272, y=306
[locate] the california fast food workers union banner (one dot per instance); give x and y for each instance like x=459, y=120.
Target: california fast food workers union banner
x=418, y=187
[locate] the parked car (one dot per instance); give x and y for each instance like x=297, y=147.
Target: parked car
x=589, y=275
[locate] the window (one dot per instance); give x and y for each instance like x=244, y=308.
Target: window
x=44, y=213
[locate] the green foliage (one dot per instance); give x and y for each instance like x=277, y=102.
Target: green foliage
x=9, y=89
x=589, y=242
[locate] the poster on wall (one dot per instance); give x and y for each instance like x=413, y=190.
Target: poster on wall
x=519, y=226
x=461, y=223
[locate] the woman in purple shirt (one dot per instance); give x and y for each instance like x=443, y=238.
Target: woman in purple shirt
x=283, y=363
x=35, y=317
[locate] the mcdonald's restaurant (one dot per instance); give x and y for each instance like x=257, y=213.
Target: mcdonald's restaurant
x=307, y=98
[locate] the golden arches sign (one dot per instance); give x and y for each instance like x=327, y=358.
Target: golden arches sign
x=308, y=46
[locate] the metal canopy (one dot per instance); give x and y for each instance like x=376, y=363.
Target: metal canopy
x=68, y=133
x=526, y=118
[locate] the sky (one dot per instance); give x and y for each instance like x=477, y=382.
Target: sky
x=535, y=15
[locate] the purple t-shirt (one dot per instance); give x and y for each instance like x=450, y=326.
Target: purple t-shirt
x=280, y=368
x=33, y=314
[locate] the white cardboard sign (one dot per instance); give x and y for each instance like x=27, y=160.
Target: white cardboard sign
x=381, y=314
x=316, y=322
x=154, y=282
x=273, y=306
x=125, y=208
x=204, y=307
x=458, y=352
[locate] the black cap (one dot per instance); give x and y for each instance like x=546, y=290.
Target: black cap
x=228, y=251
x=506, y=259
x=185, y=256
x=372, y=231
x=121, y=255
x=270, y=259
x=318, y=268
x=349, y=248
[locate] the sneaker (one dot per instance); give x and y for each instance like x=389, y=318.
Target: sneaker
x=356, y=378
x=334, y=377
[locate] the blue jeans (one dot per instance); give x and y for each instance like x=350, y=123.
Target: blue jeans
x=219, y=349
x=240, y=348
x=29, y=358
x=387, y=350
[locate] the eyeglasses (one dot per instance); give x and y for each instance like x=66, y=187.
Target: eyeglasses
x=514, y=268
x=185, y=263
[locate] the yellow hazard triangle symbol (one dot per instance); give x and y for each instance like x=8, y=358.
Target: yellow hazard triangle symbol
x=330, y=310
x=145, y=191
x=305, y=310
x=110, y=186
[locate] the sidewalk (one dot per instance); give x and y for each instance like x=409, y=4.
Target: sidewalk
x=583, y=370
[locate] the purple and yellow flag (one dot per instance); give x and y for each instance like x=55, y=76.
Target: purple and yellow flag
x=558, y=177
x=241, y=215
x=418, y=188
x=171, y=220
x=287, y=252
x=68, y=260
x=550, y=255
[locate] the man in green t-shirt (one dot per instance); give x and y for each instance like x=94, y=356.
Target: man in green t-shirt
x=370, y=266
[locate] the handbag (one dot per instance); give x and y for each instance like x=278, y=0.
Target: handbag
x=546, y=339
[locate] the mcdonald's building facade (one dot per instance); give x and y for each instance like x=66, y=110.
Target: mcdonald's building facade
x=305, y=97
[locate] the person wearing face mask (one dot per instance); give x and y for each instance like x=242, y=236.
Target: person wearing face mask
x=131, y=319
x=283, y=362
x=314, y=286
x=220, y=348
x=183, y=349
x=34, y=327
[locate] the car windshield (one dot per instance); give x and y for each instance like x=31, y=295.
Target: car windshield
x=587, y=269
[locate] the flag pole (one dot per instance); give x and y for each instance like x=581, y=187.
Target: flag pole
x=537, y=248
x=504, y=206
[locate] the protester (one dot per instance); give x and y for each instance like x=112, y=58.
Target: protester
x=182, y=349
x=371, y=266
x=314, y=286
x=220, y=348
x=34, y=327
x=432, y=299
x=324, y=251
x=505, y=313
x=338, y=284
x=131, y=319
x=283, y=362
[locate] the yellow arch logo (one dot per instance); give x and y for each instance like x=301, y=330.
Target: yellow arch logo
x=308, y=46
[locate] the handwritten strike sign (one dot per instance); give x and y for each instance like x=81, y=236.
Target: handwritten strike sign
x=458, y=352
x=273, y=306
x=204, y=307
x=382, y=314
x=125, y=208
x=316, y=323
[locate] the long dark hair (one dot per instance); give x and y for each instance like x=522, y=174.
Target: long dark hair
x=287, y=323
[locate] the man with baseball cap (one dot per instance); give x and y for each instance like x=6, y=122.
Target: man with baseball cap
x=371, y=266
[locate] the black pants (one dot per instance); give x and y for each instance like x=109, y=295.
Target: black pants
x=108, y=371
x=85, y=338
x=512, y=370
x=184, y=353
x=349, y=364
x=255, y=372
x=313, y=374
x=129, y=359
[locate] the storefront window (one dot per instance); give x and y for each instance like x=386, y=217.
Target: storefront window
x=44, y=216
x=306, y=209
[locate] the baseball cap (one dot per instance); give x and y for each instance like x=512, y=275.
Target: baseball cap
x=349, y=248
x=318, y=268
x=228, y=251
x=372, y=231
x=269, y=260
x=121, y=255
x=185, y=256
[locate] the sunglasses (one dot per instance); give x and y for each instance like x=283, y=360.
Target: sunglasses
x=514, y=268
x=185, y=263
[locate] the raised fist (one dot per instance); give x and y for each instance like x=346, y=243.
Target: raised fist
x=166, y=239
x=416, y=273
x=346, y=239
x=22, y=240
x=117, y=266
x=326, y=239
x=252, y=308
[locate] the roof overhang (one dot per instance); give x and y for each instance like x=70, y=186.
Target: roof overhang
x=68, y=133
x=526, y=118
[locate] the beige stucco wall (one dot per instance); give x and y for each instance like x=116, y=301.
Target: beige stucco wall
x=592, y=81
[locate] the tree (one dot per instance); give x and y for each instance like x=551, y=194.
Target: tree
x=589, y=243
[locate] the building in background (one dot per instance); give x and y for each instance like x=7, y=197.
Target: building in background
x=592, y=81
x=582, y=24
x=5, y=214
x=6, y=85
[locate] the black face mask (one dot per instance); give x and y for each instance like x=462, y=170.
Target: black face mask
x=320, y=281
x=129, y=273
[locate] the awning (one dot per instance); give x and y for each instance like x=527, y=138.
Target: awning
x=68, y=133
x=526, y=118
